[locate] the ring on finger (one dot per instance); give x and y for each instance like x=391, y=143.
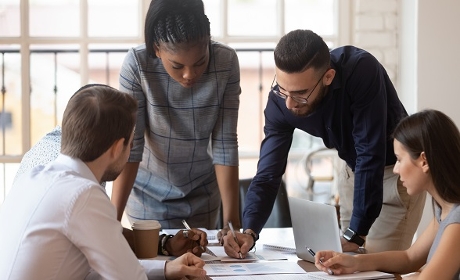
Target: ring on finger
x=185, y=233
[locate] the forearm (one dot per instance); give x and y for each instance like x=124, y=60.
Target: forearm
x=122, y=187
x=228, y=181
x=389, y=261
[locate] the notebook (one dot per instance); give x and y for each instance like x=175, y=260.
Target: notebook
x=321, y=275
x=287, y=246
x=315, y=225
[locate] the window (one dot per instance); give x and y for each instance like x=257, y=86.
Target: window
x=49, y=48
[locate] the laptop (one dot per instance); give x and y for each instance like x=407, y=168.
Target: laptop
x=315, y=226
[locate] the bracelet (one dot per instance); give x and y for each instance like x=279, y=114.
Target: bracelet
x=160, y=241
x=254, y=237
x=164, y=239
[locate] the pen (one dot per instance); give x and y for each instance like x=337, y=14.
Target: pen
x=206, y=250
x=320, y=261
x=230, y=225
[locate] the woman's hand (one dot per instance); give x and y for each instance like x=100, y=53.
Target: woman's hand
x=337, y=262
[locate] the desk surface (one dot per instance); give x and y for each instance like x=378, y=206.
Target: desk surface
x=279, y=235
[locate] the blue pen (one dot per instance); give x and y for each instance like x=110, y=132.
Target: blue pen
x=320, y=261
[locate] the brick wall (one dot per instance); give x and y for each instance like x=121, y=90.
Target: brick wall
x=374, y=25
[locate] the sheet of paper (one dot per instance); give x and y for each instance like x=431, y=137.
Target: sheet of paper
x=210, y=233
x=251, y=256
x=263, y=277
x=354, y=276
x=269, y=267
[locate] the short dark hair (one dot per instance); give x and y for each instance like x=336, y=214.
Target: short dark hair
x=95, y=117
x=434, y=133
x=175, y=21
x=299, y=50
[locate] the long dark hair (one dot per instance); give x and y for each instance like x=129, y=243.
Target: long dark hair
x=434, y=133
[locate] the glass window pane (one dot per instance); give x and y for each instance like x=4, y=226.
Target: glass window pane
x=114, y=18
x=105, y=62
x=256, y=71
x=9, y=18
x=54, y=18
x=316, y=15
x=10, y=106
x=260, y=13
x=55, y=76
x=212, y=10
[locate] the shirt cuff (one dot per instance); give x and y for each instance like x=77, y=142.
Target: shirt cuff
x=155, y=269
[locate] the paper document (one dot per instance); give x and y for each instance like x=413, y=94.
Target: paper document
x=263, y=277
x=219, y=251
x=210, y=233
x=354, y=276
x=274, y=267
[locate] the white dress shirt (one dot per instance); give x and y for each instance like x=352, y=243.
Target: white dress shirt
x=57, y=222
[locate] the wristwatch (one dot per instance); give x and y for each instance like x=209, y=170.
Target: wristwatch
x=352, y=236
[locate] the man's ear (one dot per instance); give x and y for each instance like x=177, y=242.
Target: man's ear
x=117, y=148
x=424, y=162
x=329, y=76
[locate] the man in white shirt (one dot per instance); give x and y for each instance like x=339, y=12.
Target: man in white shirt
x=57, y=222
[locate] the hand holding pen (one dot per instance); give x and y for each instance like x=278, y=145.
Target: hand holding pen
x=205, y=249
x=230, y=225
x=320, y=261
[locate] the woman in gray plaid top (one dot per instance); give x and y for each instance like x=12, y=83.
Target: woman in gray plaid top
x=184, y=161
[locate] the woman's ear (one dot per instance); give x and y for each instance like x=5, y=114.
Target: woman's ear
x=156, y=48
x=424, y=162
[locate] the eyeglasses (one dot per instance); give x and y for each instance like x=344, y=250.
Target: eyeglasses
x=295, y=98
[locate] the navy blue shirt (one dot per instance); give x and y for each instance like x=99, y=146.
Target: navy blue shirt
x=356, y=117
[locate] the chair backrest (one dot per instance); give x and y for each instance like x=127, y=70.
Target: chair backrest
x=280, y=216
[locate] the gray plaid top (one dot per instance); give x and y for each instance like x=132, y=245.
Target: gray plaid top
x=180, y=134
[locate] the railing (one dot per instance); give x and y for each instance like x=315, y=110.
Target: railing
x=258, y=64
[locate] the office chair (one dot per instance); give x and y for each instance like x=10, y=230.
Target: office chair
x=280, y=216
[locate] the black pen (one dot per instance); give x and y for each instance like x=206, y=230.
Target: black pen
x=320, y=261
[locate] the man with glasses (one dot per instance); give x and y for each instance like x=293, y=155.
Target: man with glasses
x=345, y=97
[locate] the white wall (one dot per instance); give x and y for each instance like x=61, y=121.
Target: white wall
x=438, y=56
x=417, y=42
x=430, y=61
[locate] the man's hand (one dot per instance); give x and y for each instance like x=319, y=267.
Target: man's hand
x=348, y=246
x=234, y=249
x=185, y=265
x=193, y=241
x=223, y=232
